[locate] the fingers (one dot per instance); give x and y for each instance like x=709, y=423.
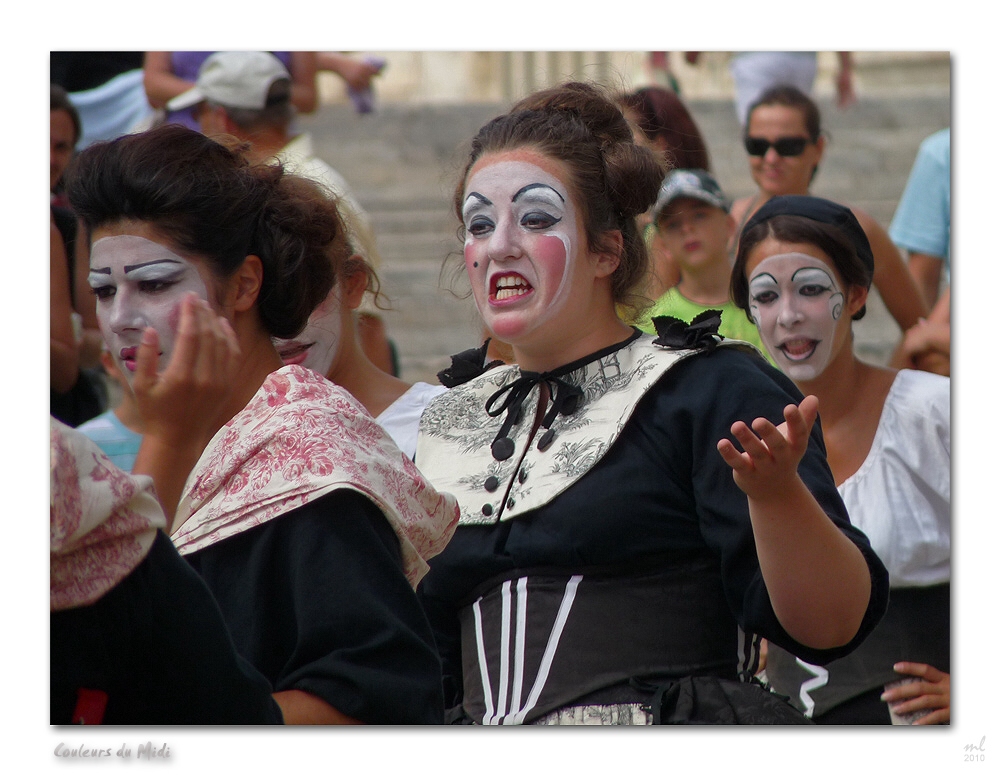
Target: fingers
x=939, y=716
x=186, y=345
x=763, y=442
x=732, y=456
x=920, y=670
x=931, y=691
x=146, y=361
x=206, y=343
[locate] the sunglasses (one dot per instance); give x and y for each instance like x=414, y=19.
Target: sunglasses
x=784, y=146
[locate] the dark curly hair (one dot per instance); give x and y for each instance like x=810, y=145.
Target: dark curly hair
x=612, y=178
x=207, y=198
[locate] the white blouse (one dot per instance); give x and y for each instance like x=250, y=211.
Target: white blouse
x=901, y=495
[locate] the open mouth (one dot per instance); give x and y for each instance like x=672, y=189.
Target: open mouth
x=799, y=349
x=294, y=353
x=508, y=286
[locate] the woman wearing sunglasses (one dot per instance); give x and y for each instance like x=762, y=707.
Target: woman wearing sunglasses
x=785, y=146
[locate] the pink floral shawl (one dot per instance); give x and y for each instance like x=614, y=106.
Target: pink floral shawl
x=102, y=521
x=299, y=438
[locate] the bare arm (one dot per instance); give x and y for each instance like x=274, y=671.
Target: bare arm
x=356, y=72
x=927, y=345
x=895, y=284
x=926, y=272
x=64, y=362
x=817, y=579
x=159, y=80
x=845, y=80
x=300, y=707
x=303, y=67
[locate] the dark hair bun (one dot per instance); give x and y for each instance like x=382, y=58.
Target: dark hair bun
x=633, y=173
x=634, y=176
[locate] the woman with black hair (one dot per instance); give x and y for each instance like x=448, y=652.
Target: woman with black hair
x=617, y=557
x=802, y=274
x=305, y=520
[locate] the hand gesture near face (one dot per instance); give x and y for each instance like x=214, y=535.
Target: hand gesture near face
x=181, y=406
x=769, y=462
x=182, y=401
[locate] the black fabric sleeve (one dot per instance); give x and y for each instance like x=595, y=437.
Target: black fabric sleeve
x=713, y=391
x=157, y=646
x=444, y=621
x=318, y=601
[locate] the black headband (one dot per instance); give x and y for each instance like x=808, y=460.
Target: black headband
x=823, y=211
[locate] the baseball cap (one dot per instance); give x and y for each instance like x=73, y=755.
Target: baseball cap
x=235, y=79
x=690, y=184
x=822, y=210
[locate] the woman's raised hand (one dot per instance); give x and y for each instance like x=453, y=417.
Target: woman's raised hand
x=771, y=454
x=181, y=406
x=183, y=401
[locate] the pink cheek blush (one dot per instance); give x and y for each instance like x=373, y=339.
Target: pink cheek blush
x=174, y=318
x=552, y=250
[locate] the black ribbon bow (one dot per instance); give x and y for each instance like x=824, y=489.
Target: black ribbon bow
x=566, y=398
x=466, y=365
x=702, y=333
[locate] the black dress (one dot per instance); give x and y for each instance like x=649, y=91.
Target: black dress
x=151, y=651
x=316, y=599
x=643, y=569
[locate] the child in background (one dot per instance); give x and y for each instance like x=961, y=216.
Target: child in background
x=118, y=432
x=692, y=218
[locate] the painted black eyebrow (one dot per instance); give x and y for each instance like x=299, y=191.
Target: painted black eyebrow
x=478, y=196
x=530, y=186
x=133, y=267
x=106, y=270
x=763, y=274
x=813, y=269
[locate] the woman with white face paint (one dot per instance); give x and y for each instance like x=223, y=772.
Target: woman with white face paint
x=785, y=145
x=611, y=549
x=802, y=274
x=306, y=522
x=330, y=345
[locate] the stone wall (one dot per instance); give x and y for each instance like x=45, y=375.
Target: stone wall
x=497, y=76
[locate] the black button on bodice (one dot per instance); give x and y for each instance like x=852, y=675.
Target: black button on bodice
x=510, y=503
x=522, y=475
x=502, y=448
x=487, y=509
x=546, y=440
x=491, y=483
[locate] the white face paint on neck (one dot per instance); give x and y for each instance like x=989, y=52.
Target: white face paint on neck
x=316, y=347
x=521, y=245
x=796, y=302
x=139, y=283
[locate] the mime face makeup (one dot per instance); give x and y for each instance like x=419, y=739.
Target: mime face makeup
x=796, y=302
x=139, y=282
x=522, y=245
x=316, y=347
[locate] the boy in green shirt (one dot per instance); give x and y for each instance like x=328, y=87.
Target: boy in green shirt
x=692, y=217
